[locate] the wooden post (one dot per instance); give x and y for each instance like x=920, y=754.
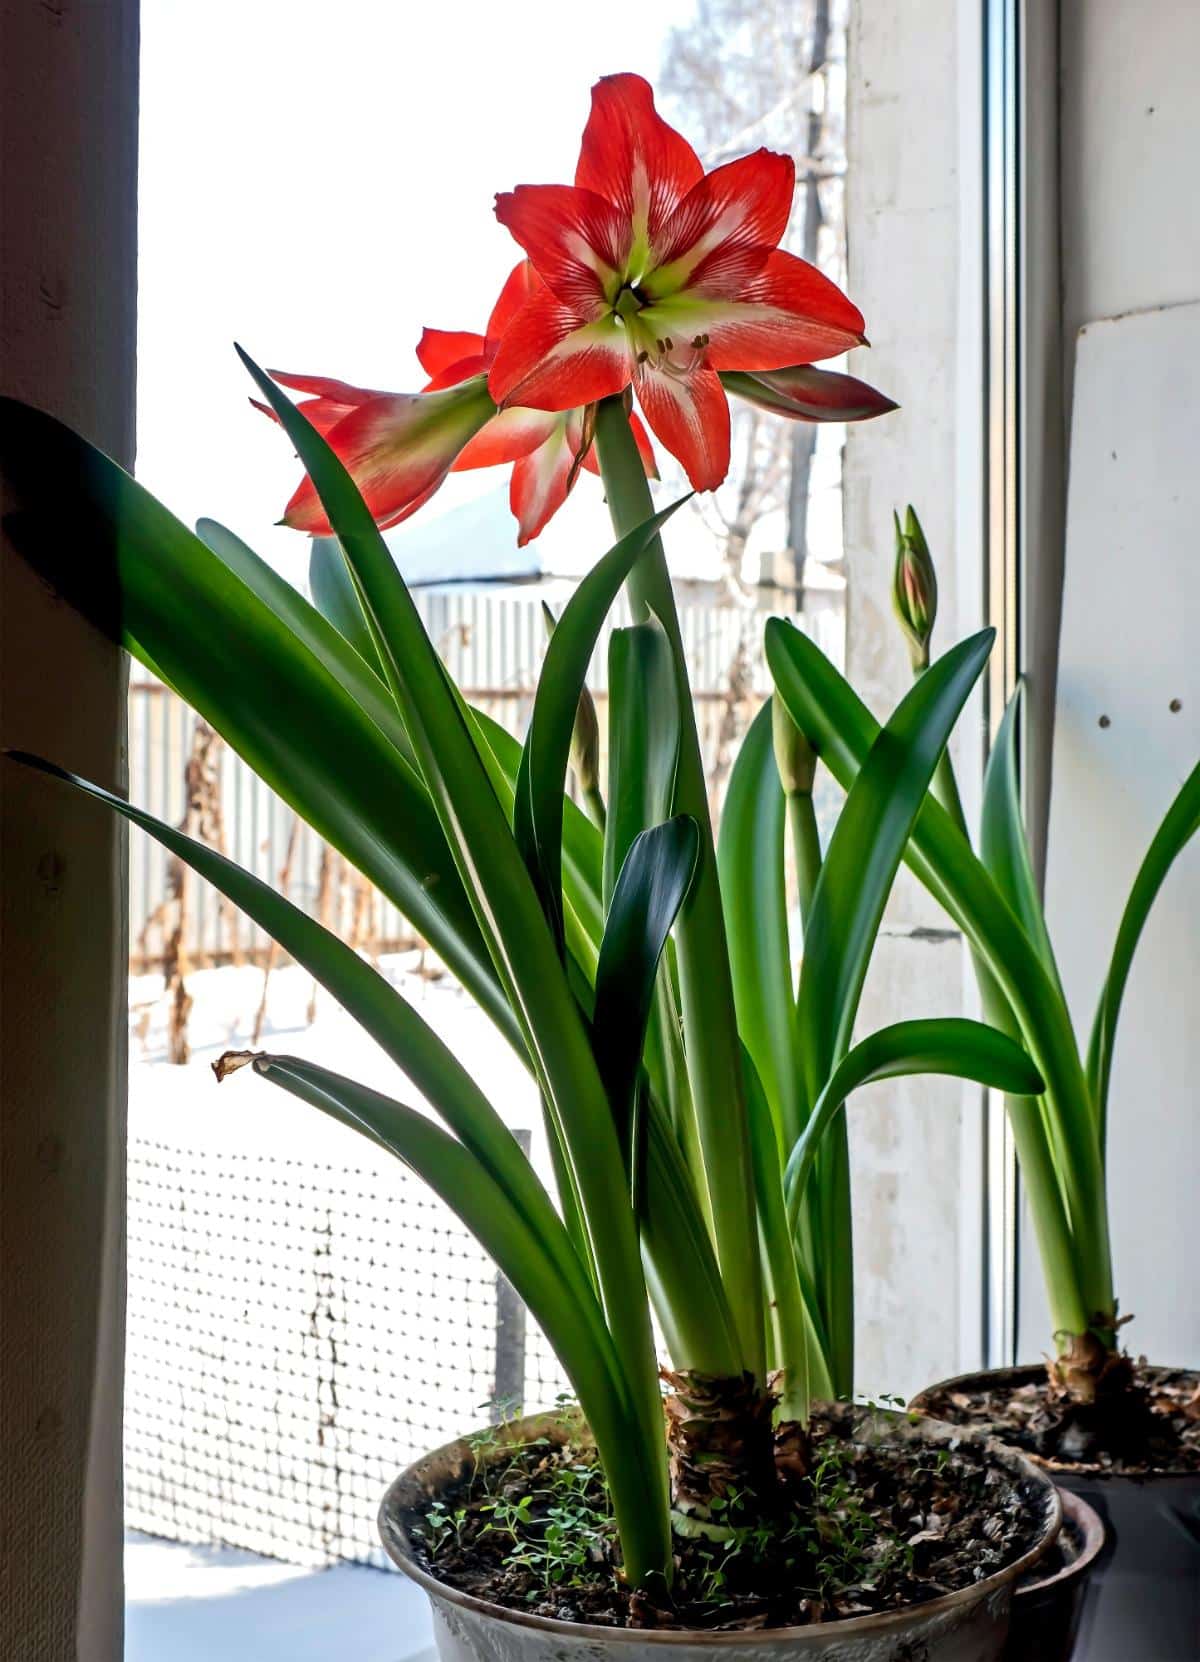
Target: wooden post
x=68, y=177
x=508, y=1387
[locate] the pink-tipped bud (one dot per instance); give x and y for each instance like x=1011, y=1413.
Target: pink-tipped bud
x=914, y=589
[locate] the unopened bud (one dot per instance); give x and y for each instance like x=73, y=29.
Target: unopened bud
x=794, y=756
x=914, y=589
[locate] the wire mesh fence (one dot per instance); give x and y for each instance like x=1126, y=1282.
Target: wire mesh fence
x=295, y=1336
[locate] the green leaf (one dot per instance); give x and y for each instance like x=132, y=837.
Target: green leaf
x=523, y=946
x=800, y=1351
x=750, y=855
x=951, y=1045
x=538, y=811
x=715, y=1080
x=865, y=852
x=118, y=555
x=1179, y=826
x=374, y=1003
x=635, y=1468
x=336, y=598
x=654, y=880
x=643, y=739
x=1071, y=1215
x=1003, y=846
x=323, y=639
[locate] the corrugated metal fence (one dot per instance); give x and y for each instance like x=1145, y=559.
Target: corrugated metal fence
x=493, y=644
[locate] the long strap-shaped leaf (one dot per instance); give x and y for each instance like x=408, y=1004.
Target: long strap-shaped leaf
x=382, y=1012
x=950, y=1045
x=865, y=852
x=340, y=656
x=1003, y=845
x=117, y=554
x=334, y=596
x=847, y=908
x=538, y=810
x=575, y=1329
x=799, y=1343
x=1179, y=826
x=750, y=854
x=506, y=904
x=842, y=729
x=654, y=880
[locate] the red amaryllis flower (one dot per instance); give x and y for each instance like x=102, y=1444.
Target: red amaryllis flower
x=399, y=447
x=660, y=276
x=546, y=447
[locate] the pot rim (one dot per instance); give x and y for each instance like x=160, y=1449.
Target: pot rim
x=1027, y=1373
x=397, y=1501
x=1090, y=1525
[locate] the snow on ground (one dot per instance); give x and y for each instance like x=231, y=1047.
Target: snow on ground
x=197, y=1604
x=250, y=1115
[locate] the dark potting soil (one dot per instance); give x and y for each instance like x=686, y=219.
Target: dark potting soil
x=1155, y=1427
x=875, y=1526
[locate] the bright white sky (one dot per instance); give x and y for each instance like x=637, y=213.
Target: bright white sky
x=317, y=183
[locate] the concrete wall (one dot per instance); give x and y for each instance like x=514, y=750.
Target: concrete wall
x=917, y=1244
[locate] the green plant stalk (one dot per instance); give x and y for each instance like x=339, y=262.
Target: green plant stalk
x=710, y=1024
x=823, y=704
x=806, y=847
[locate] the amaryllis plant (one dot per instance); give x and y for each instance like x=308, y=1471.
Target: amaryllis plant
x=643, y=970
x=990, y=891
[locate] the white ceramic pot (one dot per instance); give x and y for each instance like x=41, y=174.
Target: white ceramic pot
x=970, y=1625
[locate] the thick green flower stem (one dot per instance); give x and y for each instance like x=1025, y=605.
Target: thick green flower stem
x=710, y=1028
x=806, y=846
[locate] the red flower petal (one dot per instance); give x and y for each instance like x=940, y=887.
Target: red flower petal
x=576, y=240
x=551, y=359
x=340, y=392
x=397, y=448
x=689, y=414
x=506, y=438
x=440, y=349
x=788, y=315
x=521, y=284
x=806, y=394
x=633, y=158
x=542, y=481
x=722, y=232
x=321, y=412
x=462, y=370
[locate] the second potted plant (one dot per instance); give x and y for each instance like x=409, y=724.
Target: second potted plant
x=1122, y=1434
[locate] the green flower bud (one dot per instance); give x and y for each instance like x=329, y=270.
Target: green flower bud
x=794, y=756
x=914, y=589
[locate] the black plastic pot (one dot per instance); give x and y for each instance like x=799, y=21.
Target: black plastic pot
x=1141, y=1602
x=1048, y=1603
